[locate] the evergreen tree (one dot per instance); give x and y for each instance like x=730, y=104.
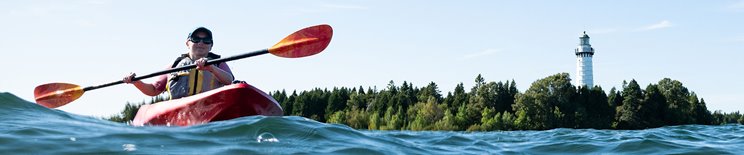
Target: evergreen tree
x=357, y=101
x=297, y=109
x=431, y=90
x=460, y=97
x=337, y=100
x=652, y=110
x=627, y=116
x=615, y=99
x=702, y=113
x=505, y=96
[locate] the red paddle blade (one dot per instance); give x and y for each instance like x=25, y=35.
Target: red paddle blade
x=306, y=42
x=54, y=95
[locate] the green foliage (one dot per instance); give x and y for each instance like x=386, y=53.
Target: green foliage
x=462, y=120
x=523, y=122
x=337, y=99
x=394, y=119
x=425, y=114
x=130, y=110
x=627, y=115
x=487, y=119
x=615, y=99
x=544, y=104
x=497, y=121
x=720, y=118
x=474, y=127
x=595, y=111
x=446, y=123
x=338, y=117
x=357, y=101
x=506, y=122
x=551, y=102
x=374, y=121
x=357, y=119
x=701, y=113
x=431, y=90
x=459, y=98
x=677, y=103
x=652, y=109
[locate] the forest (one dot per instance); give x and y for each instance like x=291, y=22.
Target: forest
x=551, y=102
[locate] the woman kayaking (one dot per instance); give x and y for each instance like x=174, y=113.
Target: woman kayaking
x=199, y=78
x=189, y=82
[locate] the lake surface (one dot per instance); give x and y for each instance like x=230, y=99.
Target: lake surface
x=27, y=128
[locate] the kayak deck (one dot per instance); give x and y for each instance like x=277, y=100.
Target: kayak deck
x=224, y=103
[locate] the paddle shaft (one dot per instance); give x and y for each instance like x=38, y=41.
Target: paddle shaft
x=210, y=62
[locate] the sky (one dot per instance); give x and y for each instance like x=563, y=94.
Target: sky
x=92, y=42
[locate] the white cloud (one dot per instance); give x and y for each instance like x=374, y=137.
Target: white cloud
x=480, y=54
x=662, y=24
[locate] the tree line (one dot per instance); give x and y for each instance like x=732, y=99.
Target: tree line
x=551, y=102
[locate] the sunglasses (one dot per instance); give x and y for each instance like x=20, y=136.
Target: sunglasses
x=202, y=40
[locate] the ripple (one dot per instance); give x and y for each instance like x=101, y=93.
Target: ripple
x=30, y=129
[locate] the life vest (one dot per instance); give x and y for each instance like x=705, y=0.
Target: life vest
x=192, y=81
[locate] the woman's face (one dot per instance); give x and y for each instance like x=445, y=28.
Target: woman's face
x=198, y=45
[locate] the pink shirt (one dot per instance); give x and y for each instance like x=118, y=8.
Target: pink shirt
x=163, y=79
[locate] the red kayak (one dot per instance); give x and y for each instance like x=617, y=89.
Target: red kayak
x=228, y=102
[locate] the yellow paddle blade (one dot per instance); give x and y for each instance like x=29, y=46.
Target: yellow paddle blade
x=306, y=42
x=54, y=95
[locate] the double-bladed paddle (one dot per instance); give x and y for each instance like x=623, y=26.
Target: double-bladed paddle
x=305, y=42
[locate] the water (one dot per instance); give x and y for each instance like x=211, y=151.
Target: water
x=26, y=128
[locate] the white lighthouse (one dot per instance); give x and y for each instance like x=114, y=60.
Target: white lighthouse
x=584, y=53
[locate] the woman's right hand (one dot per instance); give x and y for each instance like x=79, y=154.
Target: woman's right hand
x=128, y=78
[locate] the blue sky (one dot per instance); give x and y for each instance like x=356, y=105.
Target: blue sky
x=91, y=42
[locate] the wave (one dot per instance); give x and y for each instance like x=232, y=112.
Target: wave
x=28, y=128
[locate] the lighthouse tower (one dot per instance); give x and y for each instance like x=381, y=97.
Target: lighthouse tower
x=584, y=53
